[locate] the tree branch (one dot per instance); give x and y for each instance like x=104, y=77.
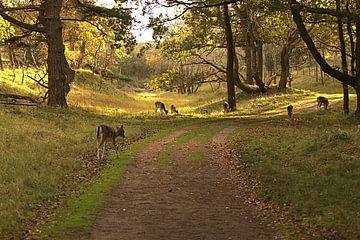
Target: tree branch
x=18, y=23
x=20, y=8
x=87, y=21
x=332, y=12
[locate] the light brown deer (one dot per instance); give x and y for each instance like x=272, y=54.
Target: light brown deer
x=105, y=133
x=161, y=106
x=173, y=109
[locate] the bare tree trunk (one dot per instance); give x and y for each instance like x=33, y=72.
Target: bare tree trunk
x=1, y=62
x=246, y=30
x=260, y=61
x=59, y=73
x=343, y=60
x=357, y=62
x=285, y=67
x=230, y=59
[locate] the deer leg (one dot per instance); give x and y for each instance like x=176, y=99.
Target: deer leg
x=98, y=148
x=103, y=152
x=115, y=146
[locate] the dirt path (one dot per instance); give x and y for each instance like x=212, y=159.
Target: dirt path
x=184, y=200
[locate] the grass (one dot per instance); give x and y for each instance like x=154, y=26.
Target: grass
x=308, y=82
x=316, y=174
x=45, y=150
x=197, y=156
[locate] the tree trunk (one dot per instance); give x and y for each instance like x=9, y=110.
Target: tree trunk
x=285, y=67
x=260, y=62
x=246, y=31
x=357, y=111
x=230, y=59
x=59, y=73
x=343, y=60
x=238, y=83
x=1, y=62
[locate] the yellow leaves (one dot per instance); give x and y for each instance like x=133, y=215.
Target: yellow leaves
x=6, y=30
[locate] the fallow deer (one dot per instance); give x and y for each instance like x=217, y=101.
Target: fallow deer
x=105, y=133
x=290, y=110
x=226, y=107
x=322, y=101
x=161, y=106
x=173, y=109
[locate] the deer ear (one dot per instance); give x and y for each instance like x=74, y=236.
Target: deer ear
x=122, y=126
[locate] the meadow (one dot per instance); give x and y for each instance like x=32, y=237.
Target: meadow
x=48, y=154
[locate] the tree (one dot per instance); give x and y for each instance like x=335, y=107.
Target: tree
x=343, y=77
x=46, y=18
x=230, y=58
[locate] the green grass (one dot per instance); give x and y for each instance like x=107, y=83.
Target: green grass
x=310, y=165
x=197, y=156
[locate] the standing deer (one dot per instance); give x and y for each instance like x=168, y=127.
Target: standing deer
x=322, y=101
x=173, y=109
x=105, y=133
x=161, y=106
x=226, y=107
x=290, y=110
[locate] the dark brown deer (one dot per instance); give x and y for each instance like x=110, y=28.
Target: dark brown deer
x=290, y=110
x=161, y=106
x=226, y=107
x=173, y=109
x=105, y=133
x=322, y=101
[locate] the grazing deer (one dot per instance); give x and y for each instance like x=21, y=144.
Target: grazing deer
x=173, y=109
x=226, y=107
x=290, y=110
x=322, y=101
x=161, y=106
x=105, y=133
x=204, y=111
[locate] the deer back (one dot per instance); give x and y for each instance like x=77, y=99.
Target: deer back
x=105, y=132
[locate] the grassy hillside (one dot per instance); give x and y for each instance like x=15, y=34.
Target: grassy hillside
x=48, y=154
x=310, y=168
